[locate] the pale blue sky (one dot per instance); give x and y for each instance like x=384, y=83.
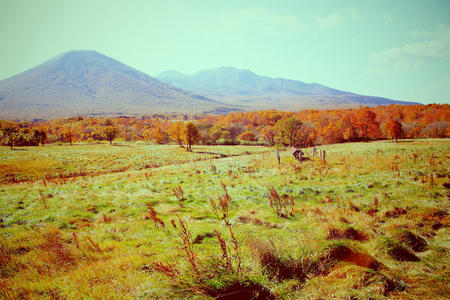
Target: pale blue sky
x=395, y=49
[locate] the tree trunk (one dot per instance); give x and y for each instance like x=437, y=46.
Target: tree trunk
x=110, y=142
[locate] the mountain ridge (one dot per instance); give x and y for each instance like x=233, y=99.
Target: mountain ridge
x=87, y=82
x=244, y=87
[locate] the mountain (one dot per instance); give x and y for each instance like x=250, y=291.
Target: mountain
x=243, y=87
x=90, y=83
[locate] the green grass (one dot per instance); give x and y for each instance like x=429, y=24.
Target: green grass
x=91, y=237
x=33, y=163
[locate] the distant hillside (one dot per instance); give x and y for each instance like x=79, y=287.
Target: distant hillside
x=236, y=86
x=89, y=83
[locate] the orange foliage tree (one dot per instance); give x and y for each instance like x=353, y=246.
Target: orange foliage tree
x=319, y=126
x=175, y=132
x=364, y=121
x=287, y=130
x=190, y=134
x=247, y=136
x=110, y=133
x=394, y=129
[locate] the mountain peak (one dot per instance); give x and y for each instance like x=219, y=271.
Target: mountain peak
x=79, y=55
x=226, y=71
x=81, y=52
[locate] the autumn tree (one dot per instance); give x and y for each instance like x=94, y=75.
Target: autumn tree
x=287, y=130
x=234, y=129
x=147, y=134
x=272, y=117
x=157, y=134
x=39, y=136
x=436, y=130
x=43, y=137
x=268, y=134
x=11, y=133
x=349, y=132
x=394, y=129
x=175, y=132
x=67, y=135
x=108, y=122
x=318, y=126
x=247, y=136
x=190, y=134
x=304, y=136
x=364, y=121
x=215, y=133
x=110, y=133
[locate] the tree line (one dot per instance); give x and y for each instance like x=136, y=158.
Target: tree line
x=269, y=127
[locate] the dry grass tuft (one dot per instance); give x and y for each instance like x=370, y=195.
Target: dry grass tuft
x=54, y=249
x=416, y=243
x=360, y=277
x=349, y=233
x=9, y=265
x=401, y=253
x=282, y=269
x=200, y=237
x=255, y=221
x=343, y=253
x=395, y=213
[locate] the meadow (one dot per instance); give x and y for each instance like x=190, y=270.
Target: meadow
x=64, y=161
x=227, y=222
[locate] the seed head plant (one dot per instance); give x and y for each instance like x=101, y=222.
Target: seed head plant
x=221, y=206
x=179, y=194
x=187, y=244
x=152, y=215
x=282, y=205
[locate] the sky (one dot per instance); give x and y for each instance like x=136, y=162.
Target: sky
x=395, y=49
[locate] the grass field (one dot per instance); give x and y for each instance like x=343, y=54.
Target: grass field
x=51, y=162
x=139, y=221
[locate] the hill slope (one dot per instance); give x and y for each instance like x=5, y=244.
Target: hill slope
x=247, y=88
x=87, y=82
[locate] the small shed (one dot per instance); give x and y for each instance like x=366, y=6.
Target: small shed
x=297, y=153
